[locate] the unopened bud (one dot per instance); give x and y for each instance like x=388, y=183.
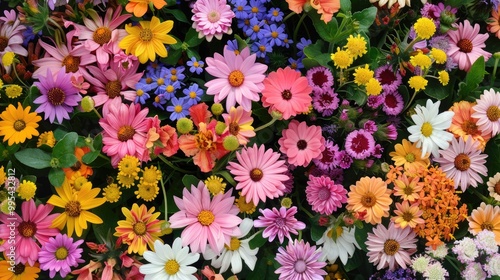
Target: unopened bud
x=87, y=104
x=184, y=125
x=231, y=143
x=217, y=109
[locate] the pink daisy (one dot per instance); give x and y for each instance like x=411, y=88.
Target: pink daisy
x=324, y=195
x=463, y=162
x=466, y=45
x=60, y=254
x=359, y=144
x=320, y=77
x=279, y=223
x=33, y=230
x=11, y=36
x=393, y=103
x=391, y=247
x=259, y=173
x=125, y=131
x=301, y=143
x=325, y=101
x=287, y=92
x=212, y=18
x=238, y=78
x=487, y=111
x=206, y=220
x=239, y=123
x=300, y=261
x=389, y=79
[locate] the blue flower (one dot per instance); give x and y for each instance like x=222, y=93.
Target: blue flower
x=179, y=108
x=232, y=45
x=261, y=47
x=255, y=30
x=256, y=9
x=169, y=89
x=159, y=101
x=29, y=35
x=295, y=63
x=141, y=95
x=193, y=94
x=240, y=7
x=176, y=74
x=302, y=44
x=275, y=34
x=275, y=15
x=195, y=66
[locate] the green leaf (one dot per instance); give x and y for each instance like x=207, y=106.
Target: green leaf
x=97, y=142
x=310, y=63
x=178, y=15
x=492, y=162
x=110, y=221
x=192, y=53
x=317, y=53
x=65, y=146
x=189, y=180
x=317, y=231
x=345, y=6
x=258, y=241
x=436, y=90
x=34, y=158
x=89, y=157
x=173, y=56
x=365, y=18
x=192, y=39
x=357, y=96
x=355, y=261
x=361, y=236
x=327, y=31
x=67, y=160
x=56, y=177
x=473, y=78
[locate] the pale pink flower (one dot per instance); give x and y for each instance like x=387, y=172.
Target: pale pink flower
x=279, y=223
x=487, y=112
x=301, y=143
x=212, y=18
x=11, y=36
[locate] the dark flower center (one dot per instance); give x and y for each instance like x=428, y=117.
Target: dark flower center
x=72, y=63
x=19, y=125
x=368, y=200
x=113, y=89
x=319, y=78
x=387, y=77
x=4, y=42
x=497, y=188
x=56, y=96
x=470, y=127
x=487, y=226
x=76, y=166
x=73, y=208
x=256, y=174
x=125, y=133
x=391, y=247
x=462, y=162
x=19, y=269
x=27, y=229
x=234, y=128
x=102, y=35
x=286, y=94
x=465, y=45
x=391, y=101
x=359, y=143
x=302, y=144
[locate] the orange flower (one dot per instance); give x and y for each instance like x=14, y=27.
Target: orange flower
x=464, y=125
x=408, y=155
x=326, y=8
x=84, y=169
x=494, y=22
x=485, y=217
x=407, y=189
x=296, y=5
x=370, y=194
x=407, y=215
x=140, y=7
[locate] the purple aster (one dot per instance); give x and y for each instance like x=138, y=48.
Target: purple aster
x=287, y=42
x=301, y=46
x=325, y=101
x=442, y=10
x=179, y=108
x=320, y=77
x=279, y=223
x=429, y=11
x=232, y=45
x=141, y=94
x=389, y=79
x=159, y=101
x=275, y=15
x=59, y=96
x=60, y=254
x=327, y=161
x=276, y=34
x=168, y=89
x=256, y=30
x=176, y=74
x=300, y=261
x=195, y=66
x=193, y=94
x=261, y=47
x=343, y=159
x=295, y=63
x=359, y=144
x=393, y=103
x=440, y=42
x=239, y=9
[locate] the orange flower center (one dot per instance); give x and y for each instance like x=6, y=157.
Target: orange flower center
x=407, y=216
x=19, y=125
x=256, y=174
x=113, y=89
x=206, y=217
x=487, y=226
x=72, y=63
x=126, y=133
x=391, y=247
x=234, y=244
x=274, y=34
x=102, y=35
x=56, y=96
x=204, y=141
x=73, y=208
x=465, y=45
x=255, y=9
x=470, y=127
x=139, y=228
x=236, y=78
x=4, y=42
x=234, y=128
x=19, y=269
x=27, y=229
x=286, y=94
x=146, y=35
x=493, y=113
x=368, y=200
x=462, y=162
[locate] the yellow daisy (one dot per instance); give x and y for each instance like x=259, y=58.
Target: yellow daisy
x=19, y=271
x=46, y=138
x=112, y=193
x=408, y=155
x=148, y=39
x=26, y=190
x=147, y=192
x=18, y=124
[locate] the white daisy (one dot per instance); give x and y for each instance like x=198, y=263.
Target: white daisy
x=429, y=131
x=343, y=246
x=389, y=3
x=169, y=263
x=233, y=253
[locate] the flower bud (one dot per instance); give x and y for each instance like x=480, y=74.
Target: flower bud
x=184, y=125
x=87, y=104
x=217, y=109
x=231, y=143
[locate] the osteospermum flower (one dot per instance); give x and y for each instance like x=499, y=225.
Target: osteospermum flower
x=238, y=78
x=140, y=228
x=494, y=22
x=213, y=221
x=464, y=125
x=485, y=217
x=408, y=188
x=60, y=255
x=409, y=156
x=407, y=215
x=279, y=223
x=339, y=244
x=463, y=162
x=494, y=186
x=212, y=18
x=391, y=247
x=287, y=92
x=300, y=261
x=239, y=123
x=18, y=124
x=370, y=194
x=33, y=230
x=301, y=143
x=487, y=112
x=170, y=263
x=466, y=45
x=429, y=129
x=259, y=173
x=324, y=195
x=148, y=39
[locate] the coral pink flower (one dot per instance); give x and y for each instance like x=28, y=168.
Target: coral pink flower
x=166, y=135
x=326, y=8
x=279, y=223
x=213, y=221
x=324, y=195
x=33, y=230
x=212, y=18
x=466, y=45
x=287, y=92
x=260, y=173
x=239, y=123
x=125, y=131
x=296, y=5
x=238, y=78
x=301, y=143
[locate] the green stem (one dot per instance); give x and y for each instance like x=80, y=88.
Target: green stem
x=17, y=76
x=265, y=125
x=97, y=113
x=494, y=72
x=171, y=165
x=299, y=23
x=411, y=100
x=480, y=195
x=289, y=16
x=452, y=262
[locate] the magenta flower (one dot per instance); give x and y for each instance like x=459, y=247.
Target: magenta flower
x=33, y=230
x=60, y=254
x=325, y=101
x=393, y=103
x=359, y=144
x=212, y=18
x=327, y=160
x=279, y=223
x=300, y=261
x=389, y=79
x=59, y=96
x=259, y=173
x=320, y=77
x=213, y=221
x=324, y=195
x=301, y=143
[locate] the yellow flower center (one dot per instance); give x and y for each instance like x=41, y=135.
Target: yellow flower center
x=426, y=129
x=192, y=95
x=255, y=9
x=410, y=157
x=339, y=231
x=236, y=78
x=27, y=229
x=256, y=174
x=170, y=88
x=206, y=217
x=147, y=191
x=171, y=267
x=139, y=228
x=274, y=34
x=19, y=125
x=493, y=113
x=146, y=35
x=160, y=81
x=262, y=48
x=204, y=141
x=102, y=35
x=391, y=247
x=465, y=45
x=56, y=96
x=196, y=64
x=73, y=208
x=72, y=63
x=113, y=89
x=178, y=108
x=139, y=92
x=61, y=253
x=462, y=162
x=368, y=200
x=245, y=207
x=234, y=244
x=125, y=133
x=215, y=185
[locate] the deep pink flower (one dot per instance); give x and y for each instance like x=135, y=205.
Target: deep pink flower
x=301, y=143
x=300, y=261
x=279, y=223
x=359, y=144
x=389, y=79
x=327, y=160
x=51, y=252
x=320, y=77
x=393, y=103
x=324, y=195
x=325, y=101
